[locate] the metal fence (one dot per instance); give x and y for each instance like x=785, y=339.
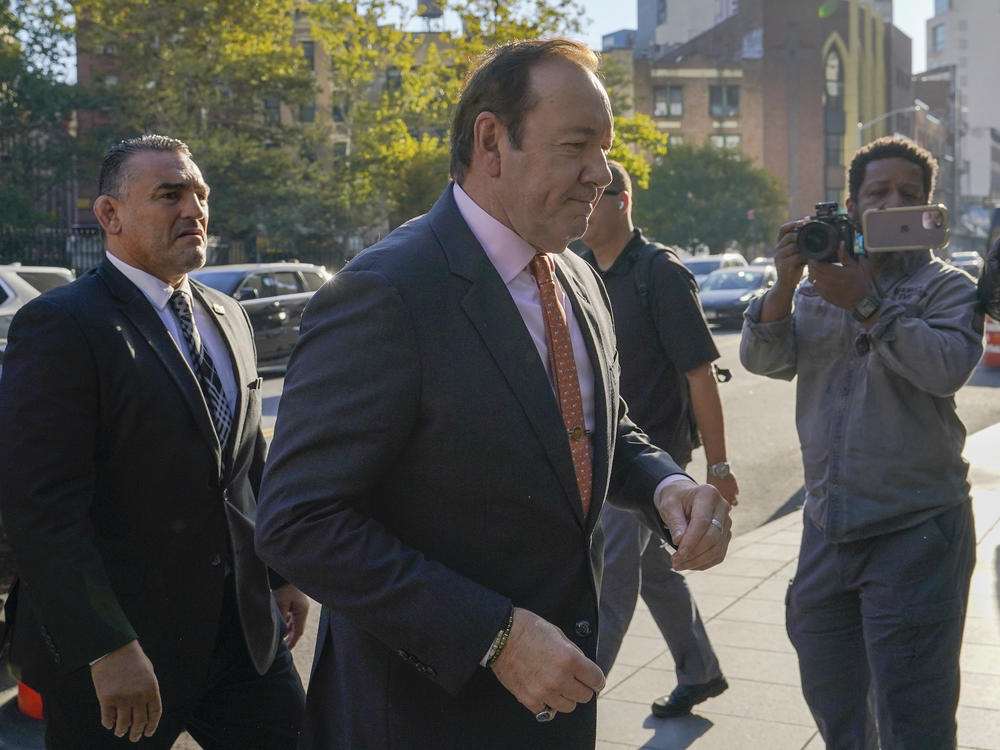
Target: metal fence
x=82, y=248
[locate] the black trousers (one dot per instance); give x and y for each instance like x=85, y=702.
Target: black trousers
x=236, y=710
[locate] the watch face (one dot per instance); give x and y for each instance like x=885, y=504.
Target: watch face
x=864, y=309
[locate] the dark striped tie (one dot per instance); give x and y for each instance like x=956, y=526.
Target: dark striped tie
x=204, y=367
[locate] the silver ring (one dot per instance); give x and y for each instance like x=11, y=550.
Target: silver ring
x=546, y=714
x=718, y=524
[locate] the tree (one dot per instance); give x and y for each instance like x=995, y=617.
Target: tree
x=36, y=112
x=703, y=195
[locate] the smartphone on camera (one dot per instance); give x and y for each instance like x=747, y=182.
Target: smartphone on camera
x=905, y=228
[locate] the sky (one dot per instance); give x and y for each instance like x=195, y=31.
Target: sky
x=610, y=15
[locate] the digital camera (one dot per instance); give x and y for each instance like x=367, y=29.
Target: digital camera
x=820, y=237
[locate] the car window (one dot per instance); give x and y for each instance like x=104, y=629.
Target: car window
x=703, y=266
x=261, y=283
x=43, y=281
x=4, y=294
x=734, y=280
x=286, y=282
x=223, y=281
x=313, y=280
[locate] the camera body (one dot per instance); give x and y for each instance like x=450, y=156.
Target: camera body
x=820, y=237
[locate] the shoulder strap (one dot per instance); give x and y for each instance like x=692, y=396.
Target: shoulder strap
x=642, y=262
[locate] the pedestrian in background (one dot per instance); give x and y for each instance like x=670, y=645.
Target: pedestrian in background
x=879, y=346
x=666, y=352
x=131, y=455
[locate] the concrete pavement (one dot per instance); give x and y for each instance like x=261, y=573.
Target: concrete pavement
x=742, y=603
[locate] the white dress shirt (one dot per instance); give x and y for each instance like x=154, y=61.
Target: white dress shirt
x=158, y=293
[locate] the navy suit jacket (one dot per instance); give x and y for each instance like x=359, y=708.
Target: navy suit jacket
x=123, y=510
x=420, y=482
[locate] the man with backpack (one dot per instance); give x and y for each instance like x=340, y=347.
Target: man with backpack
x=667, y=378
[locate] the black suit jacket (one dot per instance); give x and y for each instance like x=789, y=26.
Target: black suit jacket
x=123, y=510
x=420, y=482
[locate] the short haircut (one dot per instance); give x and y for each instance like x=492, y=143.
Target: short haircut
x=113, y=169
x=620, y=181
x=889, y=147
x=499, y=83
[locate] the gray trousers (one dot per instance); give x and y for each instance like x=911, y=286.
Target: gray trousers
x=634, y=564
x=877, y=625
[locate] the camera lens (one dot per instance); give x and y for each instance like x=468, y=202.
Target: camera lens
x=817, y=240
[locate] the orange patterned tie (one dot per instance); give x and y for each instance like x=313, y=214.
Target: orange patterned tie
x=564, y=373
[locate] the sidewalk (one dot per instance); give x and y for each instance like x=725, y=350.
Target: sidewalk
x=742, y=603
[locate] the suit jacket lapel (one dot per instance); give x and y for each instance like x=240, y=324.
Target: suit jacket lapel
x=492, y=311
x=141, y=314
x=226, y=326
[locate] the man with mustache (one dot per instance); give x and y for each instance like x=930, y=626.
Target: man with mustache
x=878, y=344
x=132, y=453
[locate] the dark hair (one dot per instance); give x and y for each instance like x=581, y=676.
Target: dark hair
x=113, y=168
x=499, y=83
x=889, y=147
x=620, y=181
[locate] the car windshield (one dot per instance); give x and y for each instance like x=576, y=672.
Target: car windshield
x=703, y=266
x=741, y=279
x=43, y=281
x=224, y=281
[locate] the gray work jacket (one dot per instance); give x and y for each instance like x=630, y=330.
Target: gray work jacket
x=881, y=440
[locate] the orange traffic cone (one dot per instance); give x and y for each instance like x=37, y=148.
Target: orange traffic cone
x=29, y=702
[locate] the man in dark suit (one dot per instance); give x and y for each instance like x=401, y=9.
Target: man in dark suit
x=427, y=482
x=131, y=454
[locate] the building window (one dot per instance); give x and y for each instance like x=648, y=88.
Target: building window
x=668, y=101
x=675, y=139
x=340, y=148
x=307, y=113
x=724, y=101
x=727, y=140
x=393, y=79
x=337, y=112
x=834, y=150
x=272, y=110
x=309, y=50
x=941, y=6
x=661, y=12
x=938, y=38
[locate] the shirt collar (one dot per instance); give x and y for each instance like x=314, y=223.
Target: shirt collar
x=157, y=291
x=507, y=251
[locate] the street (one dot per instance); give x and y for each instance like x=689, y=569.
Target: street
x=760, y=431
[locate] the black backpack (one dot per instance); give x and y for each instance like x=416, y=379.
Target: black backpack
x=641, y=259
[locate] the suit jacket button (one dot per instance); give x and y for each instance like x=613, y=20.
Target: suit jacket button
x=583, y=629
x=216, y=561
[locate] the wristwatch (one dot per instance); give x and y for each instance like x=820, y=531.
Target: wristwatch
x=866, y=308
x=720, y=470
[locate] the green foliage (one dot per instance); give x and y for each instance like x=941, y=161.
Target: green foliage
x=230, y=78
x=703, y=195
x=36, y=112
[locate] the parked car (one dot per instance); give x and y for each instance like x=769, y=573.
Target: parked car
x=18, y=284
x=969, y=261
x=702, y=265
x=761, y=260
x=727, y=292
x=274, y=296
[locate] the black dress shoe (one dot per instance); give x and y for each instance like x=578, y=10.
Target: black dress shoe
x=680, y=701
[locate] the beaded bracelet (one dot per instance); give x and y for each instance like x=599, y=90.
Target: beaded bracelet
x=501, y=640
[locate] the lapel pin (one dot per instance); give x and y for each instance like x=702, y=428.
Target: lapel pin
x=219, y=309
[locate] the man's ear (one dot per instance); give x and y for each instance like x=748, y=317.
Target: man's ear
x=625, y=204
x=105, y=208
x=849, y=206
x=487, y=133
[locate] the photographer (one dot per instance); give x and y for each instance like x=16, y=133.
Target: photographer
x=880, y=345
